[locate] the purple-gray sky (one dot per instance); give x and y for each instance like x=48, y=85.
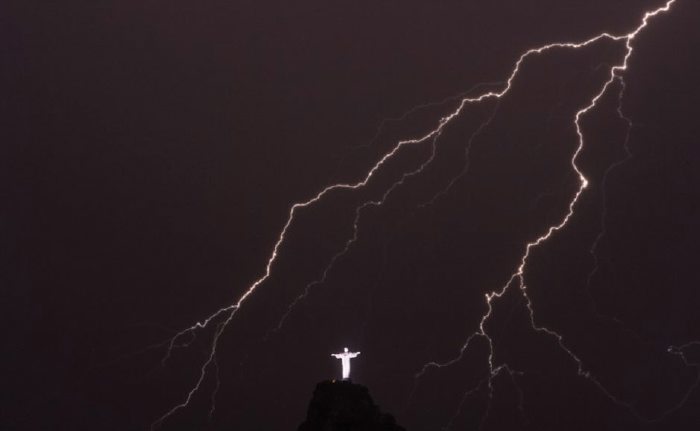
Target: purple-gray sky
x=152, y=150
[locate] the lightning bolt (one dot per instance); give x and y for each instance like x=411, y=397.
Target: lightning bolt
x=222, y=317
x=518, y=277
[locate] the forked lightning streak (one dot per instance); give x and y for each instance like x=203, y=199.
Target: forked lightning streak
x=222, y=317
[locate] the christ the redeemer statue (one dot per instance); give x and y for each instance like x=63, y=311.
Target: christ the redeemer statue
x=345, y=358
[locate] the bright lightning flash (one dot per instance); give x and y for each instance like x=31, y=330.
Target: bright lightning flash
x=222, y=317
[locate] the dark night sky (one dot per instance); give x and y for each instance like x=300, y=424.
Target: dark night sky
x=151, y=151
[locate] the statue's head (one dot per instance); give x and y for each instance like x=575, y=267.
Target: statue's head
x=346, y=350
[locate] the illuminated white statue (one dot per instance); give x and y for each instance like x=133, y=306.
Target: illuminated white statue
x=345, y=358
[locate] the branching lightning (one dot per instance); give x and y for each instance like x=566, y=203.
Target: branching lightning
x=616, y=74
x=221, y=318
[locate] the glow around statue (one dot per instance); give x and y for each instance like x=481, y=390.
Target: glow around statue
x=345, y=360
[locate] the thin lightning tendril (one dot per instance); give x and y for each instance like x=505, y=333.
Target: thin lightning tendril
x=423, y=106
x=593, y=251
x=216, y=388
x=604, y=182
x=463, y=401
x=356, y=227
x=467, y=151
x=225, y=315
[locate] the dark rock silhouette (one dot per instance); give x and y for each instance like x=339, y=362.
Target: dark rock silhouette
x=345, y=406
